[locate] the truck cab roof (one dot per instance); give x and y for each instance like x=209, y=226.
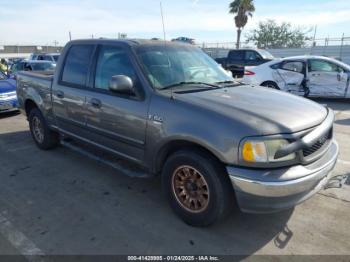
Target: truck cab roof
x=128, y=42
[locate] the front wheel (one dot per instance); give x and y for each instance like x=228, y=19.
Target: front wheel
x=198, y=189
x=43, y=137
x=271, y=85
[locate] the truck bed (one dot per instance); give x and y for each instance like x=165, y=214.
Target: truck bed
x=35, y=86
x=45, y=75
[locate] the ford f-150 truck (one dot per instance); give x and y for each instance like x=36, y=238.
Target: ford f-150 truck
x=172, y=111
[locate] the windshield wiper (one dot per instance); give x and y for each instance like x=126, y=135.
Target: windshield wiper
x=189, y=83
x=229, y=83
x=226, y=82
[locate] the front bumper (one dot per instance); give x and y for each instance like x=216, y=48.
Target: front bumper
x=8, y=105
x=264, y=191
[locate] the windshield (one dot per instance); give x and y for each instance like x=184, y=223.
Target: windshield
x=168, y=65
x=266, y=54
x=43, y=66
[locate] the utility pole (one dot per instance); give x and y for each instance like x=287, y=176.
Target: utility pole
x=315, y=33
x=70, y=36
x=314, y=40
x=55, y=43
x=341, y=47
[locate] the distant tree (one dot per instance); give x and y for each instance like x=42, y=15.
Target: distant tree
x=241, y=9
x=270, y=34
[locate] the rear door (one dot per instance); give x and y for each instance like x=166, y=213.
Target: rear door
x=117, y=121
x=235, y=62
x=292, y=73
x=69, y=93
x=326, y=79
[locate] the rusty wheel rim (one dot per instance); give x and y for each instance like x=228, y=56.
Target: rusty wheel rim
x=38, y=129
x=190, y=189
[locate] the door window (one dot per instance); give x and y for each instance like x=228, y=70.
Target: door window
x=323, y=66
x=47, y=58
x=294, y=66
x=252, y=56
x=77, y=64
x=112, y=61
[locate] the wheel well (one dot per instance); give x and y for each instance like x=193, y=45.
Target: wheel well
x=178, y=145
x=29, y=105
x=270, y=82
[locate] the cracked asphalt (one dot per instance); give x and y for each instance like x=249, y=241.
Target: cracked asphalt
x=59, y=202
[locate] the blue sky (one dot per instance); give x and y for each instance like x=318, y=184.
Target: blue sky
x=42, y=22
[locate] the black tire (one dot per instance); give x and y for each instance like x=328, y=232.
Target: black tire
x=49, y=139
x=271, y=85
x=220, y=198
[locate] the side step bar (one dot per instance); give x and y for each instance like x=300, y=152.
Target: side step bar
x=120, y=165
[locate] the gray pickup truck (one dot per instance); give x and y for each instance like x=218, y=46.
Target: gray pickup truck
x=169, y=109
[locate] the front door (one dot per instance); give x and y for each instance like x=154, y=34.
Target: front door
x=326, y=79
x=69, y=93
x=117, y=121
x=252, y=58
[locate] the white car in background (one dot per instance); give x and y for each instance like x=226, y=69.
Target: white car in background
x=313, y=76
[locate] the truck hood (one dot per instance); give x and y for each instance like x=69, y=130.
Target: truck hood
x=263, y=111
x=7, y=85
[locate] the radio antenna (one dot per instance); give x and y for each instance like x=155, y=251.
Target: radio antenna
x=164, y=39
x=161, y=13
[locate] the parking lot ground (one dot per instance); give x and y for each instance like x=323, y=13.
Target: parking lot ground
x=59, y=202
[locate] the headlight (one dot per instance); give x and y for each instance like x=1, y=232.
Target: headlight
x=9, y=95
x=264, y=151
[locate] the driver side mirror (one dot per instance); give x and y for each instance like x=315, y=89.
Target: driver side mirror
x=121, y=84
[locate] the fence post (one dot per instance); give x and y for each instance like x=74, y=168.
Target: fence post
x=325, y=44
x=217, y=50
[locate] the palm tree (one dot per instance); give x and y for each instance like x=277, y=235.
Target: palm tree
x=242, y=9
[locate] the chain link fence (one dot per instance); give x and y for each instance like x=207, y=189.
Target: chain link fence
x=338, y=48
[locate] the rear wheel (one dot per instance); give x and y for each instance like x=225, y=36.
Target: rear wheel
x=43, y=137
x=270, y=84
x=197, y=187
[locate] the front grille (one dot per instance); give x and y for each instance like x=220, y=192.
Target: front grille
x=320, y=143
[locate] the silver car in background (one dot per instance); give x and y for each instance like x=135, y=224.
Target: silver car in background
x=314, y=76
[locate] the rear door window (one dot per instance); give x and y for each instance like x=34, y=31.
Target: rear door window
x=294, y=66
x=76, y=67
x=236, y=55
